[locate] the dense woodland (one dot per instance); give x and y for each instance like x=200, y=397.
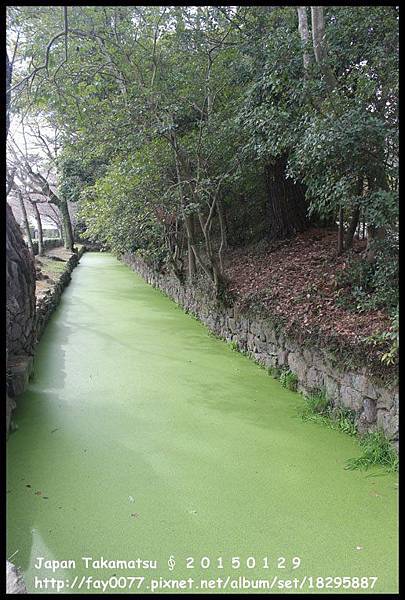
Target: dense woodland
x=208, y=139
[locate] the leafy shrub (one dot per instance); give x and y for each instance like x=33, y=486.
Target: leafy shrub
x=343, y=419
x=274, y=372
x=368, y=286
x=289, y=380
x=319, y=410
x=377, y=450
x=317, y=402
x=390, y=339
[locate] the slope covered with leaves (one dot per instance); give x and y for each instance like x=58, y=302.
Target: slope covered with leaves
x=300, y=282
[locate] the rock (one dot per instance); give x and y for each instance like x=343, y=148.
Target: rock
x=290, y=345
x=271, y=361
x=262, y=359
x=250, y=341
x=346, y=380
x=14, y=580
x=297, y=365
x=332, y=389
x=314, y=378
x=10, y=406
x=385, y=400
x=57, y=258
x=370, y=391
x=261, y=346
x=388, y=423
x=395, y=404
x=20, y=369
x=20, y=290
x=244, y=325
x=282, y=358
x=370, y=410
x=270, y=335
x=280, y=341
x=359, y=382
x=351, y=398
x=363, y=426
x=255, y=328
x=231, y=324
x=317, y=360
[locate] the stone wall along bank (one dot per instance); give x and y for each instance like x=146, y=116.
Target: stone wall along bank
x=50, y=300
x=48, y=244
x=21, y=366
x=374, y=405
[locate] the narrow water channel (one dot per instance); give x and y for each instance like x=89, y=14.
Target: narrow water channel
x=143, y=436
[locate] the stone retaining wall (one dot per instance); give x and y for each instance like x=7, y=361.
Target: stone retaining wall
x=47, y=304
x=48, y=244
x=375, y=406
x=20, y=367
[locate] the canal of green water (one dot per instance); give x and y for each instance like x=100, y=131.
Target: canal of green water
x=142, y=436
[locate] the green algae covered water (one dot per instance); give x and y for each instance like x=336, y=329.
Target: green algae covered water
x=143, y=437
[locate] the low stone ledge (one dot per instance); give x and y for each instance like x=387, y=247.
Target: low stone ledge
x=50, y=300
x=19, y=368
x=47, y=244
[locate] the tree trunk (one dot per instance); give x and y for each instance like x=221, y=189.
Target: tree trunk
x=287, y=206
x=319, y=44
x=304, y=35
x=40, y=232
x=26, y=224
x=9, y=73
x=192, y=268
x=224, y=239
x=355, y=215
x=67, y=226
x=179, y=20
x=374, y=232
x=340, y=232
x=352, y=227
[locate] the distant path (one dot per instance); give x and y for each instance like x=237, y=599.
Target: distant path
x=143, y=436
